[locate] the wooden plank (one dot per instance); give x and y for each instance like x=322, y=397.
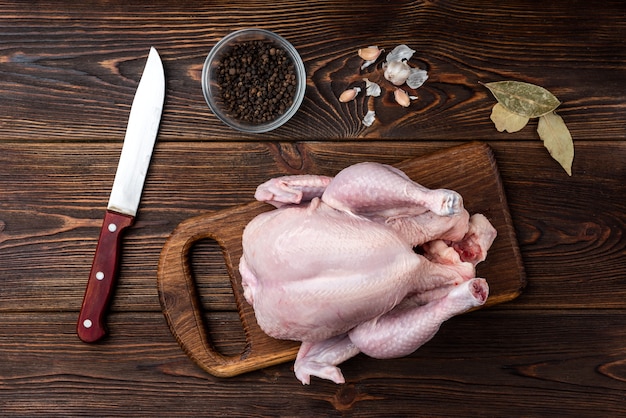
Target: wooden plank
x=69, y=72
x=567, y=363
x=87, y=59
x=52, y=197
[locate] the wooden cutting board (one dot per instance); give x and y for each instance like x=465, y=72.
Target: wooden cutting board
x=469, y=169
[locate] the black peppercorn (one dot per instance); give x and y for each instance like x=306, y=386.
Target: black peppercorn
x=257, y=81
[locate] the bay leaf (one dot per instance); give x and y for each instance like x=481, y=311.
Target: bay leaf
x=525, y=99
x=557, y=139
x=505, y=120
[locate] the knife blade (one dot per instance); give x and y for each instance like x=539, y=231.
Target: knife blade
x=141, y=133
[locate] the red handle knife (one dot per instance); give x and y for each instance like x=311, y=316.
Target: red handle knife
x=141, y=133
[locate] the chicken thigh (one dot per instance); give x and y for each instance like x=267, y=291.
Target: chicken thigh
x=368, y=261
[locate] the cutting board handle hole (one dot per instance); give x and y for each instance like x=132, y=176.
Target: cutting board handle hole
x=213, y=285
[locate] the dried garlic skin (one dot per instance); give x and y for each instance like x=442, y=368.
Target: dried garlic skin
x=349, y=94
x=369, y=118
x=372, y=89
x=367, y=64
x=416, y=78
x=397, y=72
x=402, y=97
x=400, y=53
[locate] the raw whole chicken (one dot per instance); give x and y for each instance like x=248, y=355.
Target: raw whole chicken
x=368, y=261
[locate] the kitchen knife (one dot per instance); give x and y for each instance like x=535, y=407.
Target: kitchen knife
x=141, y=132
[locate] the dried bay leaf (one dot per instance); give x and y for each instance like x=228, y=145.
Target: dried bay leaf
x=518, y=102
x=505, y=120
x=524, y=99
x=557, y=139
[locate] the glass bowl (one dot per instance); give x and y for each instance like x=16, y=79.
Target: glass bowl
x=237, y=80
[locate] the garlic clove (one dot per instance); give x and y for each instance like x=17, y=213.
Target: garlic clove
x=370, y=53
x=397, y=72
x=402, y=97
x=349, y=94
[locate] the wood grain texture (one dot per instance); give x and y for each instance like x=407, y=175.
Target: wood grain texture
x=68, y=73
x=511, y=362
x=570, y=230
x=97, y=50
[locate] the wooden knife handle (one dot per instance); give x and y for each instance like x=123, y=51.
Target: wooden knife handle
x=91, y=321
x=181, y=304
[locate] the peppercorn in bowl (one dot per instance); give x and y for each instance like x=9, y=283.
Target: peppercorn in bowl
x=253, y=80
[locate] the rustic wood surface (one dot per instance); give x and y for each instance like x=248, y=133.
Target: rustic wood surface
x=68, y=73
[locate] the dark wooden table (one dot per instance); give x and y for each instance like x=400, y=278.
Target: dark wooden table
x=68, y=73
